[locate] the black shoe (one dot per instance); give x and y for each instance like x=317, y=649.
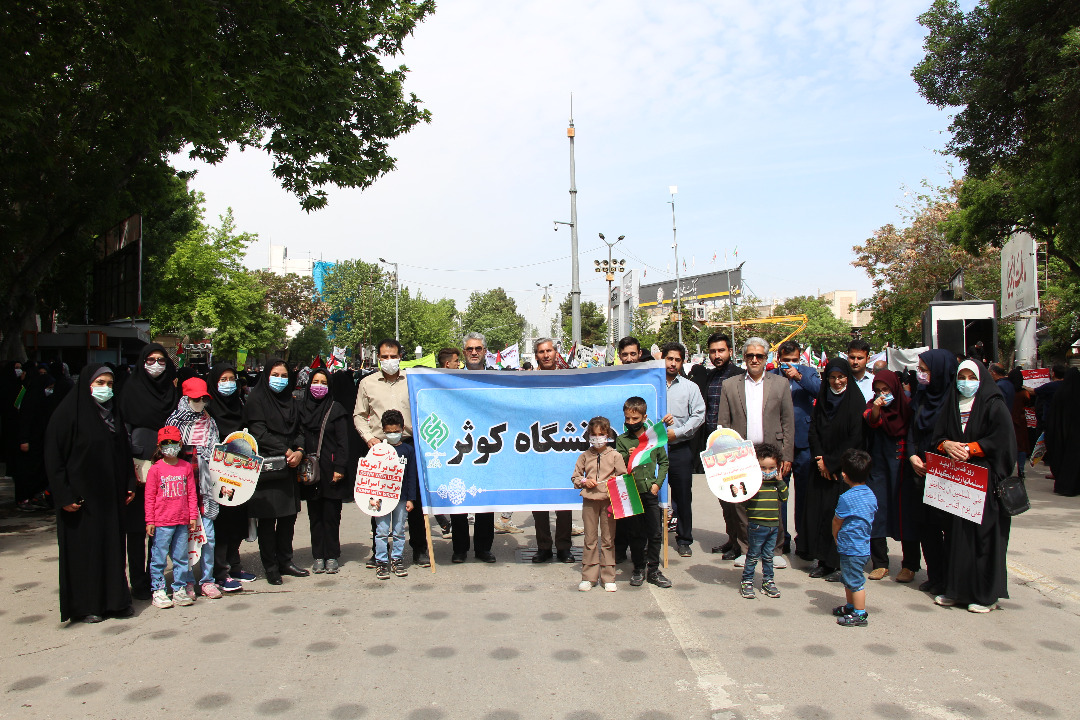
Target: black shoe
x=731, y=554
x=637, y=578
x=371, y=564
x=125, y=613
x=332, y=566
x=421, y=559
x=398, y=568
x=657, y=578
x=620, y=557
x=566, y=556
x=485, y=555
x=542, y=556
x=459, y=557
x=382, y=572
x=684, y=550
x=834, y=576
x=91, y=619
x=274, y=578
x=295, y=571
x=842, y=610
x=141, y=593
x=821, y=571
x=853, y=620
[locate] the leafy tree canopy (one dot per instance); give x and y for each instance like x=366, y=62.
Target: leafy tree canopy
x=494, y=315
x=360, y=300
x=293, y=297
x=309, y=343
x=593, y=322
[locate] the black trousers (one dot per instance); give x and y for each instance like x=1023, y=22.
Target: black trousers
x=324, y=520
x=230, y=529
x=622, y=535
x=646, y=533
x=483, y=532
x=681, y=482
x=879, y=554
x=276, y=542
x=138, y=560
x=418, y=530
x=563, y=528
x=934, y=538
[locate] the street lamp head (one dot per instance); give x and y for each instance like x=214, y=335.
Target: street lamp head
x=596, y=262
x=382, y=260
x=602, y=236
x=622, y=237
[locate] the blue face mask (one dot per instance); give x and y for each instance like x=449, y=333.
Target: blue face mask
x=887, y=397
x=770, y=475
x=226, y=387
x=967, y=388
x=277, y=384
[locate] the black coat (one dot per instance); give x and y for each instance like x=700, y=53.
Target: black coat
x=88, y=460
x=274, y=421
x=334, y=453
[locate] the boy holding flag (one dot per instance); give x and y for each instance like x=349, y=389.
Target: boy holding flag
x=642, y=446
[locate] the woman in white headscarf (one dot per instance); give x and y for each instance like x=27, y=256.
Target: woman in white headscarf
x=975, y=427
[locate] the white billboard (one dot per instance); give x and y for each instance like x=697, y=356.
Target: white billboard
x=1019, y=289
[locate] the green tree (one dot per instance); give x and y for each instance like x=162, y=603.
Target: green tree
x=205, y=290
x=494, y=315
x=95, y=98
x=431, y=324
x=293, y=297
x=823, y=329
x=309, y=343
x=908, y=265
x=594, y=330
x=360, y=300
x=1013, y=70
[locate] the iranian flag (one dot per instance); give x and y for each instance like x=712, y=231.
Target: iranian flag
x=654, y=436
x=625, y=500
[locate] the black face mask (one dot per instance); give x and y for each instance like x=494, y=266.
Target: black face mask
x=634, y=427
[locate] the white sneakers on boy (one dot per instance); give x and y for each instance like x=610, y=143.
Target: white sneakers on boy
x=161, y=599
x=584, y=586
x=610, y=587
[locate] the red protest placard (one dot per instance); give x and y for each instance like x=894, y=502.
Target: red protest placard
x=958, y=488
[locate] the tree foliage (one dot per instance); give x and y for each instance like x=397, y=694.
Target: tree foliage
x=594, y=330
x=95, y=97
x=430, y=324
x=203, y=289
x=360, y=300
x=293, y=297
x=309, y=343
x=494, y=314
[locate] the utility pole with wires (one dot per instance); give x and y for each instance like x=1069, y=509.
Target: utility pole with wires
x=575, y=287
x=677, y=311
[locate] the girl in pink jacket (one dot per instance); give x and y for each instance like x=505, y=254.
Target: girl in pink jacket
x=171, y=511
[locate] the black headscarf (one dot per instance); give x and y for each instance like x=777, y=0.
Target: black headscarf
x=185, y=373
x=227, y=411
x=931, y=398
x=837, y=422
x=344, y=388
x=277, y=410
x=312, y=409
x=146, y=402
x=989, y=424
x=1060, y=418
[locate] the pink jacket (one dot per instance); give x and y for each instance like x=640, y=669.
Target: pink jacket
x=170, y=494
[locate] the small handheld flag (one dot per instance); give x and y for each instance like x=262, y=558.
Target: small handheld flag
x=654, y=436
x=625, y=500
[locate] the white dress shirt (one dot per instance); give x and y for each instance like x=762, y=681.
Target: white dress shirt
x=867, y=385
x=755, y=406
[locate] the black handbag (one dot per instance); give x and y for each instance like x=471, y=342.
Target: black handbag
x=1013, y=496
x=307, y=472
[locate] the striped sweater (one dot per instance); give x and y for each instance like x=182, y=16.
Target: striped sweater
x=764, y=508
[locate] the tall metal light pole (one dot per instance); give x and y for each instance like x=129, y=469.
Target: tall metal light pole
x=575, y=287
x=610, y=267
x=674, y=189
x=397, y=296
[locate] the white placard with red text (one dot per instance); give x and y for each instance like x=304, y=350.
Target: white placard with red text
x=958, y=488
x=378, y=480
x=1036, y=377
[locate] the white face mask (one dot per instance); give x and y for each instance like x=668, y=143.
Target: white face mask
x=390, y=367
x=170, y=450
x=153, y=369
x=598, y=441
x=197, y=405
x=393, y=438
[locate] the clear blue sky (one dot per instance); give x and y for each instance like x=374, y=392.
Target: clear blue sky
x=791, y=130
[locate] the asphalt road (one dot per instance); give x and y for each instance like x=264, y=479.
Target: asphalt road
x=515, y=640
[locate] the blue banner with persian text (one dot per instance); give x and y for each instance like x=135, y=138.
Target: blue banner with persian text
x=500, y=441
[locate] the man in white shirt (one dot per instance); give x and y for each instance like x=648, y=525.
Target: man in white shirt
x=858, y=352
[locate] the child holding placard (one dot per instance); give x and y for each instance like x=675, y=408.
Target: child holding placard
x=851, y=527
x=390, y=559
x=763, y=522
x=171, y=511
x=594, y=468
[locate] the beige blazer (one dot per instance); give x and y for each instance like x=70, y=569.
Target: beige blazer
x=777, y=417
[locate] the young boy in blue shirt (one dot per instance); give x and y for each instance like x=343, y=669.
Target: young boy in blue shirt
x=851, y=528
x=763, y=513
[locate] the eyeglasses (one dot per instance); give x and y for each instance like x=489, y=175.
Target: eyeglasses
x=474, y=349
x=754, y=356
x=152, y=361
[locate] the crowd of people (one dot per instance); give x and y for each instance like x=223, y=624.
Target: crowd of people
x=122, y=456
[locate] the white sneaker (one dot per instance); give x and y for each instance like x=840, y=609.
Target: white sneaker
x=584, y=586
x=611, y=587
x=506, y=526
x=944, y=601
x=161, y=599
x=976, y=608
x=576, y=530
x=181, y=598
x=779, y=561
x=741, y=561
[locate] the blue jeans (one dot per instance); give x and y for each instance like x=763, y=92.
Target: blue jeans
x=396, y=518
x=170, y=540
x=206, y=556
x=851, y=571
x=761, y=541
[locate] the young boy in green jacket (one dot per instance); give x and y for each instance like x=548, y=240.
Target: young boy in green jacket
x=646, y=529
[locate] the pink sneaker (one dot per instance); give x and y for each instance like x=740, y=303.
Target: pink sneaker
x=191, y=591
x=211, y=591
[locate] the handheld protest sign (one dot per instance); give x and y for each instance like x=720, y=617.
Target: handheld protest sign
x=196, y=540
x=378, y=480
x=731, y=466
x=234, y=469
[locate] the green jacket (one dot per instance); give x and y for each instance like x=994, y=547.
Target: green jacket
x=654, y=471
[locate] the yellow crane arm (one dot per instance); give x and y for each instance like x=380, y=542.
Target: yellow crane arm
x=798, y=322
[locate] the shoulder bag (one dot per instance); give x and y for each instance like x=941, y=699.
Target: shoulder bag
x=1013, y=495
x=307, y=472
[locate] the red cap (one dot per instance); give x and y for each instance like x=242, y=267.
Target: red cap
x=195, y=388
x=169, y=433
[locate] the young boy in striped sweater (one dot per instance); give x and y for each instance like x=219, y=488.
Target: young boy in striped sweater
x=763, y=513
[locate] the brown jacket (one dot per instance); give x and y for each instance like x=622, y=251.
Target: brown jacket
x=600, y=467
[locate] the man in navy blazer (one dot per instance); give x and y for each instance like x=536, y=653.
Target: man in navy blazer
x=805, y=384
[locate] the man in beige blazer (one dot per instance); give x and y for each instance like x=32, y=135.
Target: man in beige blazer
x=758, y=407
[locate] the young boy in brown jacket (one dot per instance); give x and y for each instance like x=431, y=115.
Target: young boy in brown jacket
x=594, y=468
